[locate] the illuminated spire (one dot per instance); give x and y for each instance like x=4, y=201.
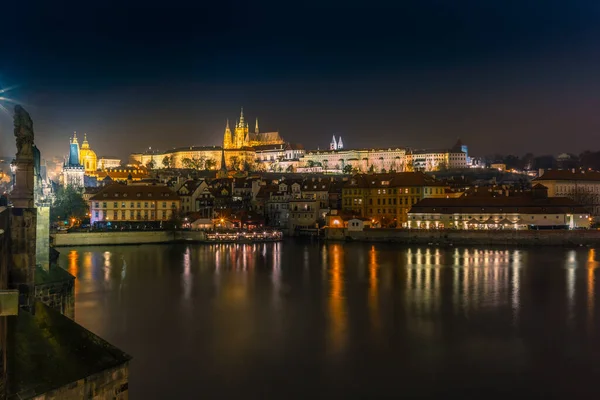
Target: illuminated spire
x=74, y=138
x=242, y=118
x=227, y=127
x=333, y=144
x=256, y=128
x=85, y=143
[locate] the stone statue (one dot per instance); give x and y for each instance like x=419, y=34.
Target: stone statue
x=23, y=132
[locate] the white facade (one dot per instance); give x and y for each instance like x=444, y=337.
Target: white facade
x=109, y=162
x=73, y=176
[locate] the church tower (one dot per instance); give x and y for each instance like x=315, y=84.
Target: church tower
x=227, y=139
x=256, y=127
x=340, y=144
x=87, y=157
x=333, y=145
x=73, y=171
x=241, y=131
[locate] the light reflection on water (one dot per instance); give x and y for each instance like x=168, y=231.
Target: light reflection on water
x=332, y=308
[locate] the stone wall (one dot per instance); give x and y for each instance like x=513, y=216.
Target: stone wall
x=110, y=384
x=461, y=237
x=122, y=238
x=111, y=238
x=22, y=250
x=4, y=260
x=57, y=290
x=42, y=246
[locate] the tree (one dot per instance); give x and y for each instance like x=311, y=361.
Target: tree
x=210, y=163
x=372, y=168
x=167, y=161
x=409, y=167
x=247, y=166
x=234, y=163
x=289, y=169
x=68, y=204
x=585, y=198
x=194, y=162
x=310, y=163
x=151, y=164
x=347, y=169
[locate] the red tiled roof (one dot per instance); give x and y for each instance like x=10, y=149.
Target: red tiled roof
x=500, y=204
x=398, y=179
x=120, y=192
x=568, y=175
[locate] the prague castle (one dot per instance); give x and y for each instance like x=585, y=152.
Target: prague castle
x=241, y=137
x=268, y=151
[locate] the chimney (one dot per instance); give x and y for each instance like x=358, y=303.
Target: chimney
x=540, y=172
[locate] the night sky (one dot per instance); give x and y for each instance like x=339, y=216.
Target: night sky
x=523, y=76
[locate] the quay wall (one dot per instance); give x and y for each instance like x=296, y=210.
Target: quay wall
x=451, y=237
x=112, y=383
x=124, y=238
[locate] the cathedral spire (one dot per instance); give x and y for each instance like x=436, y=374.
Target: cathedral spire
x=74, y=140
x=227, y=127
x=256, y=128
x=242, y=118
x=223, y=164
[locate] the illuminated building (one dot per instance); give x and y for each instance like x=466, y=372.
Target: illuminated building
x=87, y=157
x=357, y=160
x=302, y=214
x=105, y=162
x=387, y=198
x=123, y=174
x=241, y=137
x=133, y=203
x=581, y=186
x=73, y=172
x=339, y=145
x=532, y=211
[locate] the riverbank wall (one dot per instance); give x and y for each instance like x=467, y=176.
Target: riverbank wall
x=125, y=238
x=469, y=238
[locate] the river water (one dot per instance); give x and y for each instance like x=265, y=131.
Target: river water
x=312, y=320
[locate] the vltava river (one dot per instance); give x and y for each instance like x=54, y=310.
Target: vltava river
x=313, y=320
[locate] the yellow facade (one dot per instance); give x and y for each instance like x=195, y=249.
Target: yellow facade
x=242, y=137
x=386, y=199
x=87, y=157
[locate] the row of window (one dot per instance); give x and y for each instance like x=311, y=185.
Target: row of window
x=381, y=202
x=412, y=190
x=133, y=205
x=133, y=215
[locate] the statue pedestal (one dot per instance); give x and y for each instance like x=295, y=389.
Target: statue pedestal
x=22, y=194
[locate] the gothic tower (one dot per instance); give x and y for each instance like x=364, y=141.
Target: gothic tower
x=227, y=139
x=241, y=132
x=73, y=171
x=340, y=144
x=333, y=145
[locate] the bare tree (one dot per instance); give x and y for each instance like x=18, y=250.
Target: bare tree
x=585, y=198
